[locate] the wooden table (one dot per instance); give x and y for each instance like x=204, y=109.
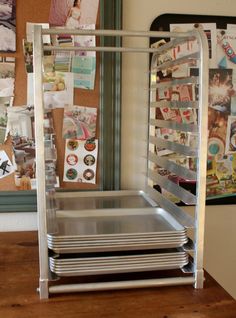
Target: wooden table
x=19, y=299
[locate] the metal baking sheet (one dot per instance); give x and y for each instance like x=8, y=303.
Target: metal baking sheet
x=102, y=200
x=177, y=235
x=66, y=268
x=118, y=222
x=110, y=248
x=118, y=241
x=111, y=243
x=110, y=261
x=119, y=269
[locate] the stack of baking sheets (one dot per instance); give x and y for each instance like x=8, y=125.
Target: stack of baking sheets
x=115, y=230
x=76, y=265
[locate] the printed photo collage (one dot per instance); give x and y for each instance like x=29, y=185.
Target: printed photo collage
x=221, y=172
x=62, y=73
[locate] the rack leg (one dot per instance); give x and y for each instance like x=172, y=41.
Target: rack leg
x=199, y=279
x=43, y=289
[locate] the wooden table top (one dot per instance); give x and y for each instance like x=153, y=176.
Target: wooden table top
x=19, y=299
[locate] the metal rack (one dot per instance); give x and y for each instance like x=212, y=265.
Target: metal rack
x=115, y=232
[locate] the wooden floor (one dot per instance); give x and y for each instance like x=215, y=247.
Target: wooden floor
x=19, y=299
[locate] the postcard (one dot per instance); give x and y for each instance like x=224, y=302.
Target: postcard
x=8, y=25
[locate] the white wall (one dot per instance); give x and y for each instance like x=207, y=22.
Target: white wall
x=220, y=237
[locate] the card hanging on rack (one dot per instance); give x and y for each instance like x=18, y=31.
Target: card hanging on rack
x=79, y=122
x=80, y=163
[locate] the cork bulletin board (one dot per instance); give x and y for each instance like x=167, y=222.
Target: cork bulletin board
x=38, y=12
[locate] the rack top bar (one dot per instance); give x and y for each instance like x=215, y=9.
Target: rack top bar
x=149, y=34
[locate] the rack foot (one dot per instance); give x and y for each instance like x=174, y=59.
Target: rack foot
x=43, y=289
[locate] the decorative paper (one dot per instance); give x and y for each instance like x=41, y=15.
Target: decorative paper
x=79, y=122
x=80, y=160
x=8, y=25
x=6, y=167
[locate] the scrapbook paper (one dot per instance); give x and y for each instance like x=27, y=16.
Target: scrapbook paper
x=231, y=135
x=79, y=122
x=8, y=25
x=6, y=167
x=80, y=163
x=226, y=48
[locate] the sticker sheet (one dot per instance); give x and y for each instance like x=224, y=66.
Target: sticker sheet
x=6, y=167
x=79, y=122
x=80, y=160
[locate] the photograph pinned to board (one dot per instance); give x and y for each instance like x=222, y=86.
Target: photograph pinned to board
x=20, y=126
x=6, y=166
x=231, y=135
x=7, y=76
x=3, y=123
x=8, y=25
x=220, y=89
x=79, y=122
x=72, y=13
x=80, y=163
x=59, y=98
x=221, y=176
x=28, y=55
